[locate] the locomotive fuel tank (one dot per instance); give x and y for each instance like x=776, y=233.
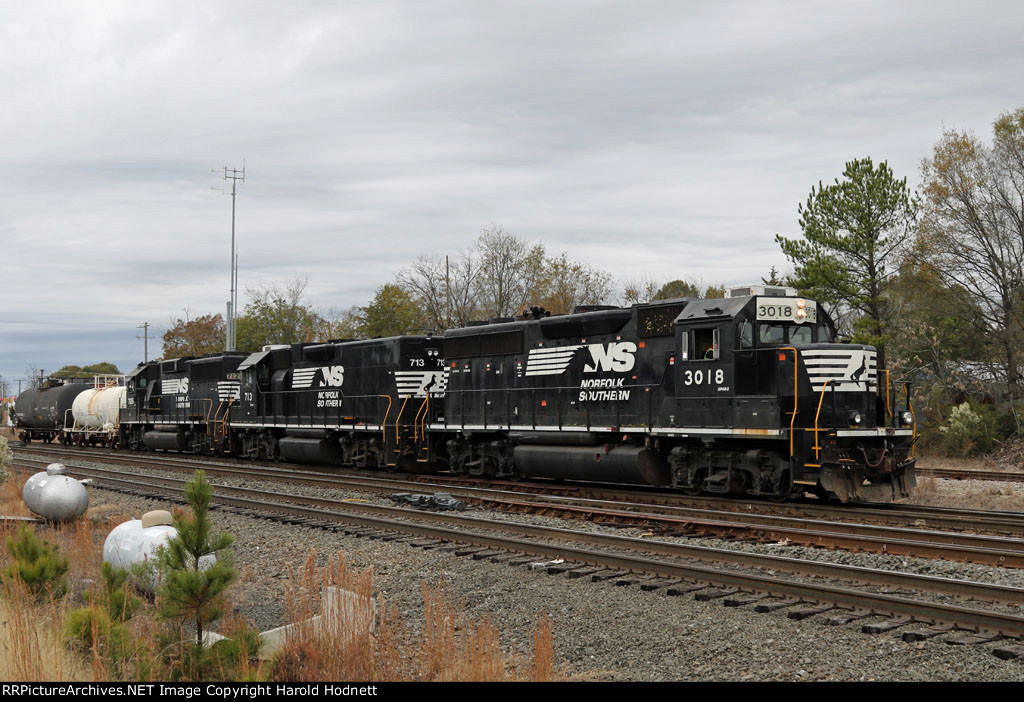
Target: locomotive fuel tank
x=612, y=464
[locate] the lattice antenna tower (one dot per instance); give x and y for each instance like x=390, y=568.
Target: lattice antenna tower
x=234, y=175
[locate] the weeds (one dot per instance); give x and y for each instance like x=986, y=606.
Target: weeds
x=361, y=643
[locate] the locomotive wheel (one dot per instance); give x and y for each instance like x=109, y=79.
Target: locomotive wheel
x=490, y=468
x=698, y=486
x=459, y=468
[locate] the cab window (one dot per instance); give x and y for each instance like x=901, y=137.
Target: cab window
x=746, y=335
x=768, y=334
x=801, y=335
x=705, y=345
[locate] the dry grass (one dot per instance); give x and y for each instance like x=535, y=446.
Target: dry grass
x=31, y=648
x=362, y=644
x=11, y=503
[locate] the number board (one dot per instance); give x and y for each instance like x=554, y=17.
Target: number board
x=784, y=309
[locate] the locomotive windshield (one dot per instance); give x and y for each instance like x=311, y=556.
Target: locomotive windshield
x=775, y=334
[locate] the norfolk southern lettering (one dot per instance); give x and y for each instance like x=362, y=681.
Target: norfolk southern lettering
x=603, y=390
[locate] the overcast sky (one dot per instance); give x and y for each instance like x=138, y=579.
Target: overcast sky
x=651, y=139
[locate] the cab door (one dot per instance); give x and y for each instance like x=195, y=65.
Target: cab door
x=704, y=375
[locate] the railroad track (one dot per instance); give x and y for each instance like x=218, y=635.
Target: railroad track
x=955, y=474
x=900, y=515
x=678, y=520
x=651, y=564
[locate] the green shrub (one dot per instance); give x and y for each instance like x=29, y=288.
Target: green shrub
x=92, y=628
x=120, y=604
x=37, y=564
x=969, y=430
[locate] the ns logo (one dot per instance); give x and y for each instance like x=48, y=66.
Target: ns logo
x=617, y=357
x=334, y=376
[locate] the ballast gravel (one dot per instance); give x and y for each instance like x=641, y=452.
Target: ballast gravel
x=604, y=632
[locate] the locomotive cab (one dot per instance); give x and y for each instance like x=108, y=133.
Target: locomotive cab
x=764, y=363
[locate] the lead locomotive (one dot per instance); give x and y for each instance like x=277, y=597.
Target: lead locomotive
x=749, y=394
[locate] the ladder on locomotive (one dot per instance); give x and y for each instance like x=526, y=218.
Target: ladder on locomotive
x=217, y=424
x=412, y=435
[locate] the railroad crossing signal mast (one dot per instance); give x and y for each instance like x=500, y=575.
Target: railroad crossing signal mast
x=234, y=175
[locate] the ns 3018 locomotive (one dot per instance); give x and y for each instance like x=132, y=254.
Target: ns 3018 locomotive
x=749, y=394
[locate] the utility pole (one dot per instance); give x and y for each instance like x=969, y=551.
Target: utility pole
x=234, y=175
x=145, y=344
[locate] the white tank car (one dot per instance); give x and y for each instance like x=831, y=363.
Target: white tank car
x=97, y=409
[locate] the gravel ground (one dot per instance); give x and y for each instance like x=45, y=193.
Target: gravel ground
x=605, y=632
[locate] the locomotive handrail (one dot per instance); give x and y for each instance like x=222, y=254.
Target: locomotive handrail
x=209, y=408
x=530, y=416
x=913, y=416
x=384, y=422
x=416, y=421
x=398, y=418
x=888, y=411
x=821, y=399
x=423, y=419
x=796, y=397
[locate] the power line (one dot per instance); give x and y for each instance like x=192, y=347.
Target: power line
x=145, y=347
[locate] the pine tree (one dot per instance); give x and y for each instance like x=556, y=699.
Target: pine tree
x=37, y=564
x=854, y=231
x=193, y=588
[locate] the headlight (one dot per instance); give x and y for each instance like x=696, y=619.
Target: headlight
x=907, y=417
x=856, y=418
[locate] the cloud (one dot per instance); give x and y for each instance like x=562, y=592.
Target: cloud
x=657, y=139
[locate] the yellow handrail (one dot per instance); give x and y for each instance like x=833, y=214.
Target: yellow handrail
x=416, y=422
x=817, y=447
x=792, y=421
x=398, y=437
x=384, y=422
x=426, y=413
x=913, y=416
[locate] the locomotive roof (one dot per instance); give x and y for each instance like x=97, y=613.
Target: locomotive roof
x=713, y=308
x=590, y=322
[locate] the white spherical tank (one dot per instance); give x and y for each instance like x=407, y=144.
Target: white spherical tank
x=55, y=496
x=98, y=408
x=137, y=541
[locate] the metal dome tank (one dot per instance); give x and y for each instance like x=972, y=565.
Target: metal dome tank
x=137, y=541
x=55, y=496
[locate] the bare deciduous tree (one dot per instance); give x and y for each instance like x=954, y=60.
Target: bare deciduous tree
x=973, y=230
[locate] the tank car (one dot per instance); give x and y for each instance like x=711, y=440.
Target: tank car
x=748, y=394
x=95, y=413
x=41, y=413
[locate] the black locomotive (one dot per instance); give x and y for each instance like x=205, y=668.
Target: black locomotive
x=746, y=394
